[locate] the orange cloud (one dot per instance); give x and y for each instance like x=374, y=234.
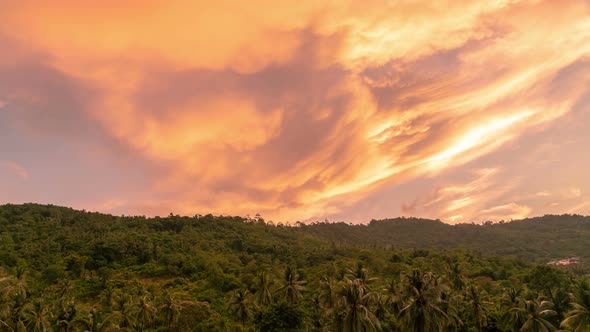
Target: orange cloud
x=301, y=109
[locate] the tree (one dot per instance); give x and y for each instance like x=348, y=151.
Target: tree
x=450, y=303
x=355, y=302
x=292, y=286
x=38, y=317
x=477, y=309
x=145, y=313
x=263, y=289
x=280, y=317
x=422, y=310
x=511, y=298
x=578, y=319
x=169, y=309
x=240, y=303
x=533, y=316
x=96, y=321
x=327, y=294
x=361, y=274
x=455, y=276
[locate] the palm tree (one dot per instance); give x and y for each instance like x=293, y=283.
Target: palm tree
x=263, y=287
x=513, y=319
x=170, y=309
x=240, y=304
x=422, y=311
x=393, y=294
x=327, y=296
x=66, y=314
x=561, y=302
x=38, y=318
x=20, y=283
x=477, y=309
x=578, y=319
x=456, y=277
x=317, y=319
x=450, y=304
x=96, y=321
x=123, y=310
x=511, y=298
x=292, y=286
x=356, y=314
x=532, y=316
x=145, y=312
x=17, y=309
x=361, y=274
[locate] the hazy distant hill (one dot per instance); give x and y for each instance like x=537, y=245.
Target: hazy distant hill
x=539, y=239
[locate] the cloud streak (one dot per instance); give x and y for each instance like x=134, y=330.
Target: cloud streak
x=310, y=110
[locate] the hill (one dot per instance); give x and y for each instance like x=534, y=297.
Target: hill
x=68, y=270
x=541, y=239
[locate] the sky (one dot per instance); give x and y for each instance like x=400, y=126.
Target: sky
x=465, y=111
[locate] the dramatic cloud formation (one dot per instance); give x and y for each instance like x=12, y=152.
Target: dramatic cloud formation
x=299, y=111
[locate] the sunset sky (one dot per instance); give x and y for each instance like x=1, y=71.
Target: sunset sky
x=298, y=110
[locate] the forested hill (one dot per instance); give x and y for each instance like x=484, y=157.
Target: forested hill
x=68, y=270
x=539, y=239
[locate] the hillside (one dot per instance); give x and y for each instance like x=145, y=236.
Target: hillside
x=541, y=239
x=68, y=270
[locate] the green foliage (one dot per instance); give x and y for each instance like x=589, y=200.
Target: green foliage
x=68, y=270
x=540, y=239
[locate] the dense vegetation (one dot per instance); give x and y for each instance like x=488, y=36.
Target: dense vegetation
x=539, y=239
x=68, y=270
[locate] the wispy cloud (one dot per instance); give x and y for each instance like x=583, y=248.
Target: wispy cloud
x=296, y=111
x=15, y=169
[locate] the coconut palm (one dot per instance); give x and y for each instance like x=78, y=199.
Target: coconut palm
x=513, y=319
x=240, y=303
x=578, y=319
x=456, y=277
x=292, y=286
x=327, y=293
x=422, y=311
x=361, y=274
x=96, y=321
x=449, y=304
x=477, y=309
x=16, y=310
x=145, y=313
x=263, y=289
x=393, y=294
x=532, y=316
x=317, y=320
x=561, y=300
x=66, y=315
x=123, y=310
x=355, y=307
x=511, y=298
x=38, y=317
x=169, y=309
